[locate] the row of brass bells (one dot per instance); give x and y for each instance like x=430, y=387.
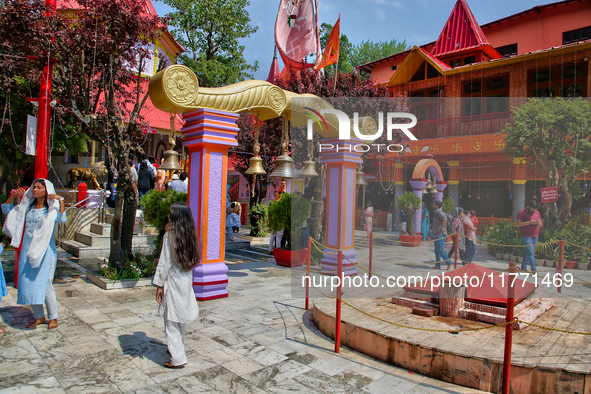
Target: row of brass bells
x=430, y=188
x=171, y=161
x=284, y=167
x=256, y=166
x=360, y=178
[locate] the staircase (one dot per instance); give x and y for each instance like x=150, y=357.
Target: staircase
x=94, y=240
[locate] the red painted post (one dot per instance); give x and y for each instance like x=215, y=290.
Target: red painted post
x=509, y=332
x=560, y=265
x=370, y=253
x=44, y=113
x=82, y=194
x=337, y=332
x=456, y=251
x=308, y=271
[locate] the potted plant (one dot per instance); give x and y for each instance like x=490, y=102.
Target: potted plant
x=410, y=203
x=289, y=214
x=448, y=206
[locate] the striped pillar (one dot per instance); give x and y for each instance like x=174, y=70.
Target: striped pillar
x=209, y=134
x=417, y=187
x=340, y=204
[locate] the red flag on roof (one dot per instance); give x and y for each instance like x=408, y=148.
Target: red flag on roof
x=297, y=33
x=331, y=51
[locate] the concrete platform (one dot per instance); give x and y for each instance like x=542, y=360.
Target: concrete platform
x=543, y=361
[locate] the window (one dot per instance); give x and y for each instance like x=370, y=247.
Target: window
x=485, y=96
x=470, y=59
x=577, y=35
x=425, y=71
x=508, y=50
x=426, y=105
x=569, y=80
x=393, y=68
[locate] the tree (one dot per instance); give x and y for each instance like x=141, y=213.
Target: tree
x=211, y=30
x=99, y=49
x=100, y=52
x=554, y=134
x=21, y=23
x=368, y=51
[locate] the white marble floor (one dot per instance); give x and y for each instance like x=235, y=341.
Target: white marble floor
x=258, y=340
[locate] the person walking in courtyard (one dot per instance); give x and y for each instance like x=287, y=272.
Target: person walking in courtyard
x=425, y=222
x=457, y=214
x=368, y=218
x=439, y=234
x=470, y=232
x=232, y=220
x=31, y=225
x=529, y=222
x=174, y=278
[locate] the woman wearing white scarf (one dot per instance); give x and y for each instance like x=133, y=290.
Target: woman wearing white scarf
x=31, y=224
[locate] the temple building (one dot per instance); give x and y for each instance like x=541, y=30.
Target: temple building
x=462, y=88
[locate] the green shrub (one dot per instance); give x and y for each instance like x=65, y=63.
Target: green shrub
x=504, y=234
x=289, y=214
x=156, y=207
x=577, y=231
x=409, y=203
x=448, y=205
x=259, y=216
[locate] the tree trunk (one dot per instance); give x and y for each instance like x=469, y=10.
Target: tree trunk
x=124, y=215
x=117, y=255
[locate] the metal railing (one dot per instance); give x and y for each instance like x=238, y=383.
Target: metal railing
x=102, y=196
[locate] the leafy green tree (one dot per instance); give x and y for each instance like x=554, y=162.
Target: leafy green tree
x=210, y=30
x=556, y=135
x=368, y=51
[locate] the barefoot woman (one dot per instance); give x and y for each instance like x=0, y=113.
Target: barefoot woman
x=33, y=222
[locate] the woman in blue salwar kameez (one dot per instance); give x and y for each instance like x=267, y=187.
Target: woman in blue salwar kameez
x=31, y=225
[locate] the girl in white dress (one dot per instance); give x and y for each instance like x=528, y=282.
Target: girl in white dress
x=174, y=278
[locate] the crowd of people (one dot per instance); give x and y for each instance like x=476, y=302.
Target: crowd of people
x=147, y=176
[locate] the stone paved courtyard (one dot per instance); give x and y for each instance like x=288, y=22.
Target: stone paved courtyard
x=258, y=340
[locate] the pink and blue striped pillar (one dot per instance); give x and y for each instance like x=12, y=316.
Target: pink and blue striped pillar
x=340, y=203
x=209, y=134
x=417, y=187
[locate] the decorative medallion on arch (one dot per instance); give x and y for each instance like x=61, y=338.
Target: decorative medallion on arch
x=427, y=178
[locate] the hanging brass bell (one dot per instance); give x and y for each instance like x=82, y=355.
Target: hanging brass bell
x=171, y=161
x=284, y=168
x=256, y=166
x=309, y=169
x=360, y=178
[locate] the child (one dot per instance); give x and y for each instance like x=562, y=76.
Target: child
x=232, y=220
x=237, y=209
x=3, y=291
x=174, y=278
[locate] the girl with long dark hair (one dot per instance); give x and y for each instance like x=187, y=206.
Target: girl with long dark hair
x=174, y=278
x=31, y=224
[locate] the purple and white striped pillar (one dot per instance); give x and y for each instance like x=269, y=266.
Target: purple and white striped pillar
x=209, y=134
x=340, y=203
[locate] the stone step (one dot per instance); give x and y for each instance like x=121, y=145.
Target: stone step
x=91, y=239
x=83, y=251
x=100, y=228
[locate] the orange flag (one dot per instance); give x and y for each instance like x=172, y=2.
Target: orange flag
x=331, y=52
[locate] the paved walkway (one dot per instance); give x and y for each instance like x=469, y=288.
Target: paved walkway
x=258, y=340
